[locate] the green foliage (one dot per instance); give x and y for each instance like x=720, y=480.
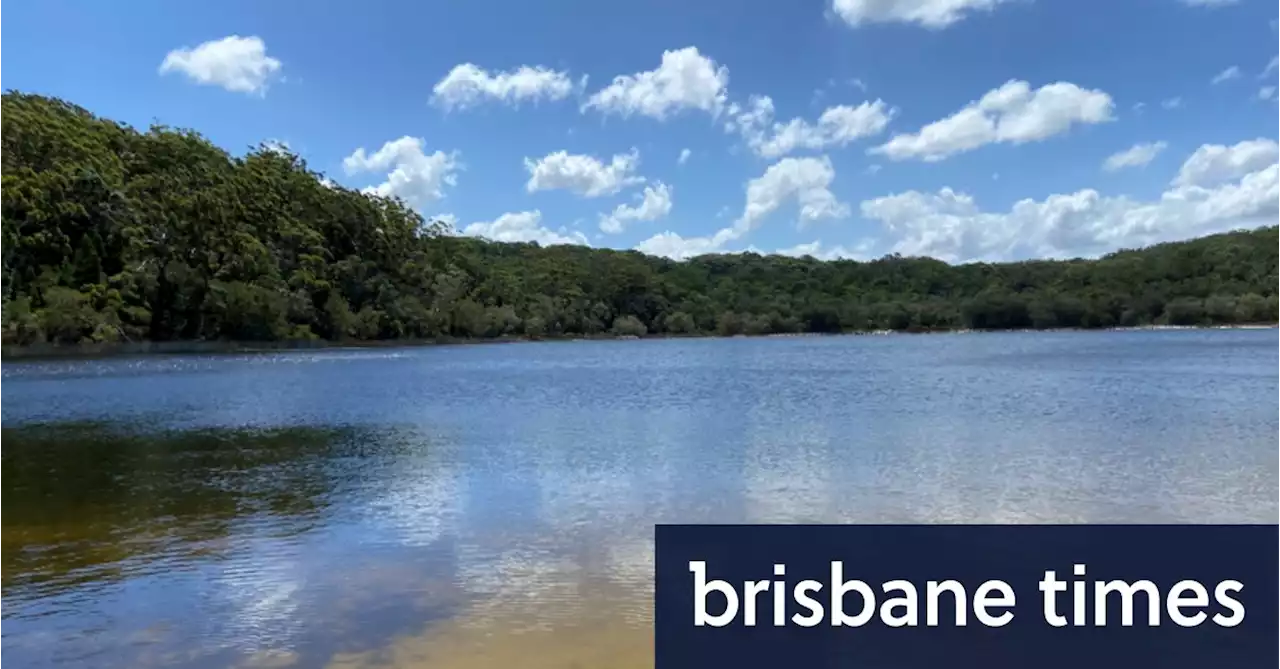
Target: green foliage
x=535, y=327
x=1184, y=311
x=338, y=322
x=110, y=233
x=66, y=316
x=247, y=312
x=681, y=323
x=21, y=325
x=629, y=326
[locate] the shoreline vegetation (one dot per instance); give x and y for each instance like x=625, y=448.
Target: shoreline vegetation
x=119, y=241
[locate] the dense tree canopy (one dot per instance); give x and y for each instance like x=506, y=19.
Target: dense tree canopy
x=111, y=234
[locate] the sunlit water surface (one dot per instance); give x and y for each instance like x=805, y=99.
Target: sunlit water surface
x=484, y=506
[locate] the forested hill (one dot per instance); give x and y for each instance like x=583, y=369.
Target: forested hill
x=110, y=234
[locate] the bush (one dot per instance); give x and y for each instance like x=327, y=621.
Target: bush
x=681, y=323
x=1184, y=311
x=729, y=324
x=501, y=320
x=535, y=327
x=628, y=326
x=248, y=312
x=21, y=325
x=66, y=316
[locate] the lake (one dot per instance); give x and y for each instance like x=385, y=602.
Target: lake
x=479, y=506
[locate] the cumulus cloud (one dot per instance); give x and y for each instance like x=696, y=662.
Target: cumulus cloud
x=1013, y=113
x=237, y=64
x=1214, y=164
x=671, y=245
x=1138, y=155
x=524, y=226
x=949, y=225
x=1228, y=74
x=582, y=174
x=684, y=156
x=805, y=180
x=815, y=249
x=1267, y=93
x=837, y=126
x=468, y=84
x=933, y=14
x=412, y=174
x=655, y=203
x=685, y=80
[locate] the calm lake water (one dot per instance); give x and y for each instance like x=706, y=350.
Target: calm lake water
x=483, y=506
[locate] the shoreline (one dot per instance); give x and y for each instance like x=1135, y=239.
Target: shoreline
x=149, y=348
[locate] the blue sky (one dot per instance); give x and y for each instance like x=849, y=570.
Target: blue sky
x=961, y=129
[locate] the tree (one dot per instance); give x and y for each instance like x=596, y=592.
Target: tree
x=109, y=232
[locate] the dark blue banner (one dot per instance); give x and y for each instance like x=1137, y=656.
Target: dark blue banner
x=993, y=596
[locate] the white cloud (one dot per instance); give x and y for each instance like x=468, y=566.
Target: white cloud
x=1013, y=113
x=1266, y=92
x=655, y=203
x=950, y=226
x=927, y=13
x=469, y=84
x=1271, y=67
x=1228, y=74
x=1214, y=164
x=524, y=226
x=685, y=80
x=1138, y=155
x=758, y=114
x=238, y=64
x=583, y=174
x=671, y=245
x=1208, y=3
x=1171, y=103
x=684, y=156
x=837, y=126
x=806, y=180
x=412, y=174
x=815, y=249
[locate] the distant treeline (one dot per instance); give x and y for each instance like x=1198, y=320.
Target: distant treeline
x=111, y=234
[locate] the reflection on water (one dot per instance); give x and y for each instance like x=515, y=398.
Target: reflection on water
x=493, y=506
x=196, y=546
x=122, y=499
